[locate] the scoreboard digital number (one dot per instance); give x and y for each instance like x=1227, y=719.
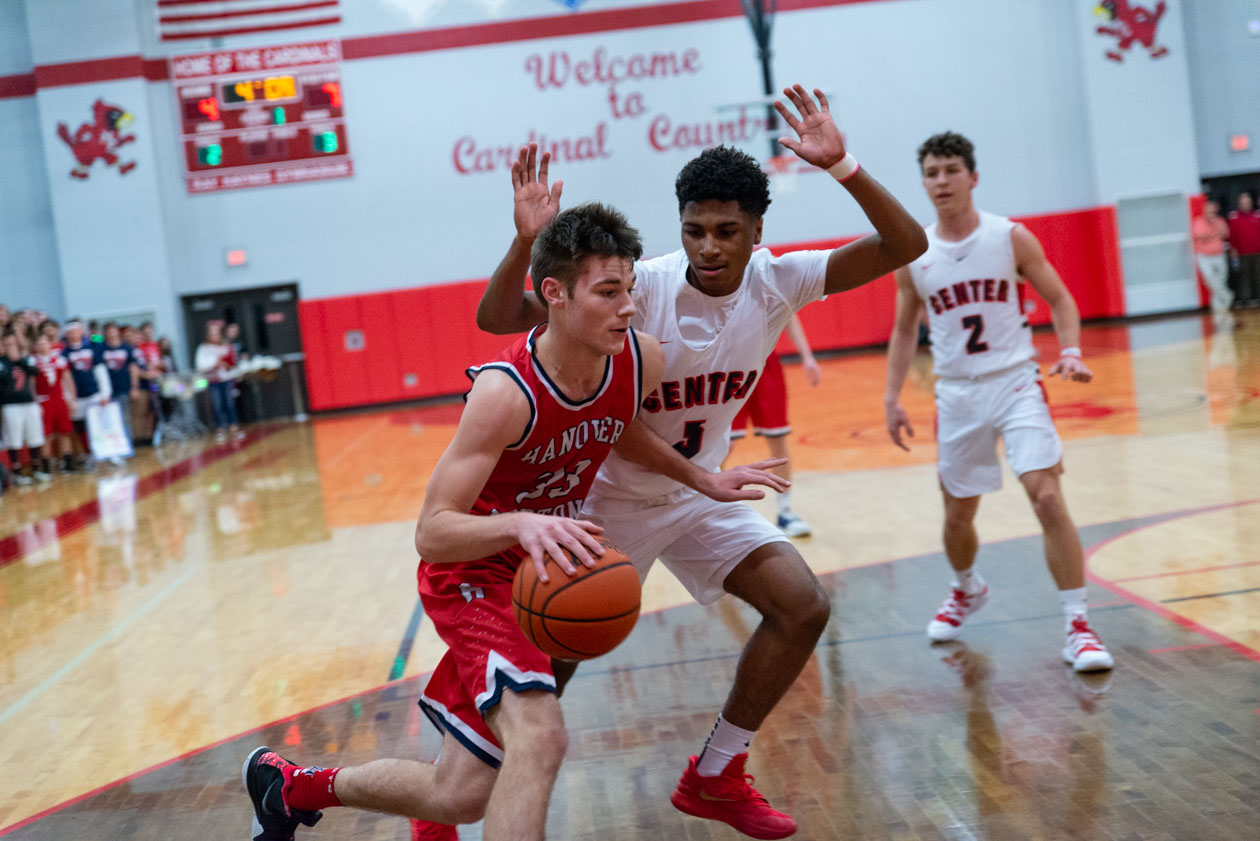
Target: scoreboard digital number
x=258, y=117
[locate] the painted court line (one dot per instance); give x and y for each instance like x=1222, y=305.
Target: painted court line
x=110, y=635
x=1171, y=573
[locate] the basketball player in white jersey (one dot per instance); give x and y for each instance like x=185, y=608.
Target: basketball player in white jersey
x=718, y=307
x=989, y=384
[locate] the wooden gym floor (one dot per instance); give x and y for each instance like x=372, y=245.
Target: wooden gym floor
x=158, y=623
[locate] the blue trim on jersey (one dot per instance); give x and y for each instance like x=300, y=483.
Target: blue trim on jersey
x=638, y=371
x=511, y=371
x=560, y=396
x=503, y=681
x=440, y=723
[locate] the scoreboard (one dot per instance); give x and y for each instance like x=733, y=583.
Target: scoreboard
x=263, y=116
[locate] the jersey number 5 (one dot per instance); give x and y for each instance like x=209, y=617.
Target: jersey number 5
x=693, y=434
x=975, y=323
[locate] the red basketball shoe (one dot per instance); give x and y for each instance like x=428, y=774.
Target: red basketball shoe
x=1084, y=650
x=730, y=798
x=947, y=623
x=430, y=831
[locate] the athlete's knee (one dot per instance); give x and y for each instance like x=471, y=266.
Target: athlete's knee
x=532, y=727
x=959, y=520
x=1048, y=505
x=463, y=805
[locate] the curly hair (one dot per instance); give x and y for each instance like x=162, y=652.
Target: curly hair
x=949, y=144
x=724, y=173
x=582, y=231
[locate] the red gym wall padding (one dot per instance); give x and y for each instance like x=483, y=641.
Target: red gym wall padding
x=417, y=342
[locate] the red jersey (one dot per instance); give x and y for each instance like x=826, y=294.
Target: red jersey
x=152, y=355
x=50, y=384
x=551, y=468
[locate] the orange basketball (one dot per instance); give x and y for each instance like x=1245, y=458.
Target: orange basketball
x=579, y=617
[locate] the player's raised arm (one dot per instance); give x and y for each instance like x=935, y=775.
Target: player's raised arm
x=898, y=238
x=901, y=345
x=1031, y=262
x=496, y=415
x=505, y=306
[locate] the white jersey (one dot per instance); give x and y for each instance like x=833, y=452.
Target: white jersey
x=715, y=348
x=974, y=300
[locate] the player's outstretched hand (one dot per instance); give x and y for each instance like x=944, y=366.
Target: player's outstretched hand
x=896, y=418
x=534, y=204
x=544, y=536
x=820, y=143
x=728, y=485
x=1072, y=368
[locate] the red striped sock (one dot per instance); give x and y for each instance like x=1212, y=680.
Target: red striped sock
x=310, y=789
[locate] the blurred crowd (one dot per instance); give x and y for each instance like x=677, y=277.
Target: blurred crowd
x=52, y=374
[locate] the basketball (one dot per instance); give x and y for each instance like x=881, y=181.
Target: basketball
x=579, y=617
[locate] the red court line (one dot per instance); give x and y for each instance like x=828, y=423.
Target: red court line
x=5, y=830
x=1183, y=648
x=16, y=546
x=1186, y=571
x=1231, y=644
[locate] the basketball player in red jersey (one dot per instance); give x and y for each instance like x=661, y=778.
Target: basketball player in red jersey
x=538, y=423
x=989, y=385
x=718, y=305
x=54, y=391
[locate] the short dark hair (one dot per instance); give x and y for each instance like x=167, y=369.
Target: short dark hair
x=590, y=229
x=724, y=173
x=949, y=144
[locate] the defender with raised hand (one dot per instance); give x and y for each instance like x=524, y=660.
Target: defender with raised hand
x=718, y=307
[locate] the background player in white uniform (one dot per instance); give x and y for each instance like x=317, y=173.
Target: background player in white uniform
x=989, y=384
x=718, y=307
x=767, y=408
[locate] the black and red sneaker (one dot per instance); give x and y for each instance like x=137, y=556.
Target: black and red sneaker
x=263, y=773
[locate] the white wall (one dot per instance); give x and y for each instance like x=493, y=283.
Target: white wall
x=1011, y=75
x=1225, y=78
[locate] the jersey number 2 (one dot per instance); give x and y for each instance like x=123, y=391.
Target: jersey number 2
x=693, y=434
x=975, y=323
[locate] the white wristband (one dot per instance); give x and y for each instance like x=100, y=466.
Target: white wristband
x=1070, y=351
x=845, y=168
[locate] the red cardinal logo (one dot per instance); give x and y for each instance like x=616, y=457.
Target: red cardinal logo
x=1127, y=23
x=99, y=139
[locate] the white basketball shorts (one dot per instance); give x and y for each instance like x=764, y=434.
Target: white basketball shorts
x=23, y=425
x=699, y=540
x=971, y=414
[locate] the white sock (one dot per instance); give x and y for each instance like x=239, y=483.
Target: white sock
x=725, y=743
x=1073, y=602
x=968, y=580
x=785, y=502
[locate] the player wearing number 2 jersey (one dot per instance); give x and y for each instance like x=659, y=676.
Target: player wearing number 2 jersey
x=718, y=307
x=989, y=384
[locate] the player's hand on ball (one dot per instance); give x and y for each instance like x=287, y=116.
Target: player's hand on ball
x=534, y=204
x=728, y=485
x=1072, y=368
x=896, y=418
x=543, y=536
x=820, y=143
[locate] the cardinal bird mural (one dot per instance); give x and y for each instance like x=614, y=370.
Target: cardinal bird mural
x=1128, y=22
x=99, y=139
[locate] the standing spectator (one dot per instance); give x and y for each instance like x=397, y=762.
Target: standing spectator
x=50, y=328
x=91, y=384
x=217, y=360
x=5, y=318
x=23, y=425
x=54, y=391
x=151, y=374
x=123, y=363
x=1211, y=232
x=1244, y=246
x=167, y=356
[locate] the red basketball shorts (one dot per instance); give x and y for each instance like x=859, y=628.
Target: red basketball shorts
x=767, y=405
x=56, y=418
x=471, y=608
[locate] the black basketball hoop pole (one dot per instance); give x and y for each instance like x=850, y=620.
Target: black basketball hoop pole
x=760, y=16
